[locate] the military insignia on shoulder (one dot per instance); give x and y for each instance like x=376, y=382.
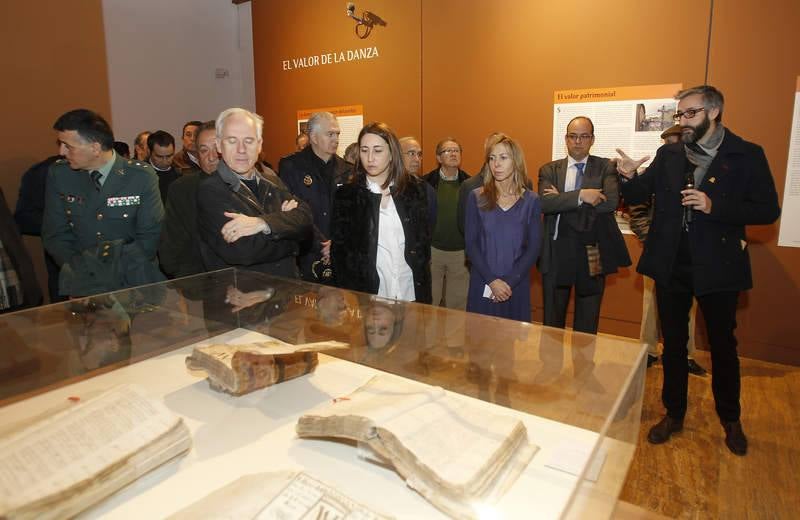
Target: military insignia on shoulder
x=130, y=200
x=307, y=180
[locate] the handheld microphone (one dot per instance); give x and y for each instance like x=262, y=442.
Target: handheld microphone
x=689, y=185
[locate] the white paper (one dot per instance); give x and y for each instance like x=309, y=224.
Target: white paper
x=789, y=235
x=487, y=291
x=571, y=456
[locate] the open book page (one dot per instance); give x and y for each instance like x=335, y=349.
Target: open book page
x=282, y=495
x=454, y=451
x=50, y=459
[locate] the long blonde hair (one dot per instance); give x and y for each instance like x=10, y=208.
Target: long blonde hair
x=490, y=193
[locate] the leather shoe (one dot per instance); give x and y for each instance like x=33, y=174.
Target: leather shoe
x=661, y=432
x=735, y=439
x=651, y=360
x=696, y=369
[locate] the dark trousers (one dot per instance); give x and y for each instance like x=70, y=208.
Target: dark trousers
x=719, y=312
x=556, y=299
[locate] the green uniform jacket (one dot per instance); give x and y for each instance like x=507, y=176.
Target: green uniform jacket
x=103, y=240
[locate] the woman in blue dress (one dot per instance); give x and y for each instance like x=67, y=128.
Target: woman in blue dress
x=502, y=234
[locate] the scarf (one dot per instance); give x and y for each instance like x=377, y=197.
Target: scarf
x=702, y=155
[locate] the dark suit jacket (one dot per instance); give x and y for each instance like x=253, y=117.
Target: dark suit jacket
x=600, y=173
x=274, y=253
x=179, y=251
x=742, y=192
x=315, y=183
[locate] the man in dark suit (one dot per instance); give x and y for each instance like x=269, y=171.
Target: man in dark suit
x=244, y=217
x=161, y=146
x=312, y=175
x=706, y=189
x=582, y=243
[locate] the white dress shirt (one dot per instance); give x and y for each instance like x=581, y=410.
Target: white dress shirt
x=396, y=278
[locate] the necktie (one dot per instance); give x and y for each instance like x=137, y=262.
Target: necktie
x=95, y=175
x=579, y=177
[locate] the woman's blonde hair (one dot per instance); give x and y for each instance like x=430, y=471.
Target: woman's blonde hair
x=488, y=200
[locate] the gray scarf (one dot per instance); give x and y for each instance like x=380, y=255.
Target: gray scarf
x=702, y=155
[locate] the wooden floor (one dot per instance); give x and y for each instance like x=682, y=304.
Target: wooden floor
x=695, y=476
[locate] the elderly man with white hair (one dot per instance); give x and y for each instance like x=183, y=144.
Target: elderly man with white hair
x=246, y=218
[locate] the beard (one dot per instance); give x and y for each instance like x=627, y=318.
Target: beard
x=697, y=132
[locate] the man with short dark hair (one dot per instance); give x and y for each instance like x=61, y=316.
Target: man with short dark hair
x=103, y=214
x=582, y=242
x=245, y=218
x=186, y=158
x=312, y=175
x=449, y=274
x=412, y=155
x=161, y=147
x=707, y=189
x=179, y=252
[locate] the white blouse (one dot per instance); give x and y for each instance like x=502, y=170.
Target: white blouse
x=396, y=278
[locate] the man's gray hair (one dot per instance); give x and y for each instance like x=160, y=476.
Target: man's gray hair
x=316, y=119
x=257, y=120
x=408, y=139
x=712, y=98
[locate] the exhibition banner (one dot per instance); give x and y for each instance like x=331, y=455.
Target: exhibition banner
x=789, y=235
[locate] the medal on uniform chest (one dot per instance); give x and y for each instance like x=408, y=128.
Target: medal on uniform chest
x=307, y=180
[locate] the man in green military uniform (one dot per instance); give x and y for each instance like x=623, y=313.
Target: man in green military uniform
x=103, y=213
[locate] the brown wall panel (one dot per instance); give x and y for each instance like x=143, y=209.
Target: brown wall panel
x=53, y=60
x=755, y=63
x=388, y=87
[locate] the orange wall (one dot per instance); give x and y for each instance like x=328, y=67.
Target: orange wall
x=53, y=60
x=388, y=87
x=450, y=67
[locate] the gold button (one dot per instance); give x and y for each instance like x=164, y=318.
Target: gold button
x=124, y=215
x=99, y=216
x=105, y=254
x=69, y=211
x=71, y=224
x=99, y=233
x=106, y=247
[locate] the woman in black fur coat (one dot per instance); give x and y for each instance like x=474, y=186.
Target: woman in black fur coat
x=382, y=221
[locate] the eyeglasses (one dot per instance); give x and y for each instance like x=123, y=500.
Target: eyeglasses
x=414, y=153
x=688, y=114
x=579, y=137
x=450, y=150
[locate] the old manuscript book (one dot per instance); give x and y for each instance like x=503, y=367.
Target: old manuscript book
x=57, y=467
x=284, y=495
x=241, y=369
x=457, y=453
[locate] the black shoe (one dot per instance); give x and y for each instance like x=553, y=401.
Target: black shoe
x=661, y=432
x=651, y=360
x=696, y=369
x=734, y=437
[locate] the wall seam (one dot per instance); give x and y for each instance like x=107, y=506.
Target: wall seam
x=708, y=44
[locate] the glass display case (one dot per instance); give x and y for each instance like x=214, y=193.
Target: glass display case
x=580, y=395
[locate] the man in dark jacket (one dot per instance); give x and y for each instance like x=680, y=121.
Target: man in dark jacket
x=582, y=242
x=312, y=175
x=245, y=218
x=706, y=190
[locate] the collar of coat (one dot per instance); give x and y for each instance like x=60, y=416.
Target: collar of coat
x=233, y=180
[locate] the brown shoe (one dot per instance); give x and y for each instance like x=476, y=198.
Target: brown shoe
x=735, y=439
x=661, y=432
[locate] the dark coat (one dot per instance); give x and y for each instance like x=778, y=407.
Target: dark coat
x=21, y=261
x=274, y=253
x=601, y=174
x=354, y=248
x=311, y=180
x=742, y=191
x=103, y=240
x=179, y=248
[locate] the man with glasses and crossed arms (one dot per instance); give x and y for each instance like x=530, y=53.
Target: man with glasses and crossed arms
x=707, y=189
x=582, y=242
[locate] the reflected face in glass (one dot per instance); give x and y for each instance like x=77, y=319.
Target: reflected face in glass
x=501, y=162
x=695, y=128
x=325, y=140
x=579, y=139
x=450, y=155
x=161, y=156
x=239, y=143
x=331, y=306
x=207, y=154
x=189, y=138
x=379, y=326
x=374, y=154
x=412, y=156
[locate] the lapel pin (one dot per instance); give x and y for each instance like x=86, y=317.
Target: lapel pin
x=307, y=180
x=712, y=180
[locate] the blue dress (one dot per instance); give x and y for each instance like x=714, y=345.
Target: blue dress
x=502, y=244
